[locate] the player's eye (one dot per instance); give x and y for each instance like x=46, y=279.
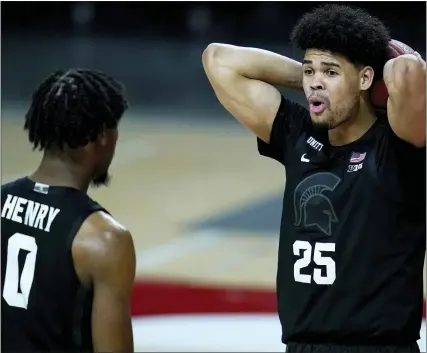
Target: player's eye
x=308, y=71
x=331, y=73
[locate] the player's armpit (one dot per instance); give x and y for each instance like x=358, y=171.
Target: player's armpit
x=109, y=264
x=405, y=78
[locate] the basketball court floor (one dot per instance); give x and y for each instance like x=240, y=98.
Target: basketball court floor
x=204, y=210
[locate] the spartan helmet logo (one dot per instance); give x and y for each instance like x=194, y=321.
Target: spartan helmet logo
x=311, y=205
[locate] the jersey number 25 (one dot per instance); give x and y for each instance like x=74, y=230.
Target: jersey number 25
x=321, y=261
x=11, y=294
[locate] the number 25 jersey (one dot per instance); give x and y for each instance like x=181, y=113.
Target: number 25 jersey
x=352, y=235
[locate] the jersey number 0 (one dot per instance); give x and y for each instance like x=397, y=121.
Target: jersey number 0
x=11, y=293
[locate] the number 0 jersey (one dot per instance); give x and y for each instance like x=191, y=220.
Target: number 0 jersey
x=352, y=235
x=44, y=307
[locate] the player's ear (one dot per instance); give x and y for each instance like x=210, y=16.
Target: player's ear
x=366, y=78
x=102, y=138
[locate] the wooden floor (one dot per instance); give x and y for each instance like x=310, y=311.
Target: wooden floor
x=167, y=177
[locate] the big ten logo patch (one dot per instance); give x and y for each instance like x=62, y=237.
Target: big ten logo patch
x=354, y=167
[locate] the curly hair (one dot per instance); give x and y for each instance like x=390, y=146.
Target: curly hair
x=348, y=31
x=70, y=108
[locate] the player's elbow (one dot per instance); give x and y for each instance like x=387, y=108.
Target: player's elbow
x=218, y=55
x=221, y=77
x=210, y=51
x=210, y=57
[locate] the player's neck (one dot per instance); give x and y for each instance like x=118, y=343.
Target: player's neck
x=56, y=171
x=354, y=128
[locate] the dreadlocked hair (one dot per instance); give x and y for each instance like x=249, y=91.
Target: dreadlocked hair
x=348, y=31
x=73, y=107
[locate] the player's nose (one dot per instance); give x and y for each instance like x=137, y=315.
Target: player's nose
x=317, y=83
x=315, y=86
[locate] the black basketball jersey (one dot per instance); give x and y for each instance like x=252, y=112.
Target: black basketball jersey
x=352, y=236
x=44, y=307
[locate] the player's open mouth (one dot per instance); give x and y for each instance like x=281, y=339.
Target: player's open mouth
x=317, y=105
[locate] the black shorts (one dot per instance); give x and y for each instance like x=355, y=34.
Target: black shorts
x=293, y=347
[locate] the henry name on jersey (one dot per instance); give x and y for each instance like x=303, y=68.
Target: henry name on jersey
x=30, y=213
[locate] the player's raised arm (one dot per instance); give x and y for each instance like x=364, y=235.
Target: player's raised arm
x=405, y=78
x=105, y=257
x=243, y=80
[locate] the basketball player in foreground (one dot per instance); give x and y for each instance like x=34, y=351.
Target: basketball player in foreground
x=67, y=266
x=352, y=238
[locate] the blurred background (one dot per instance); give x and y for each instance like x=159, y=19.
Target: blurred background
x=204, y=208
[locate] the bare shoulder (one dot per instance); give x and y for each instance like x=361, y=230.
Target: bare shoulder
x=101, y=245
x=104, y=260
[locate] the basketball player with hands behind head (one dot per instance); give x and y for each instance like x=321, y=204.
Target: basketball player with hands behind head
x=352, y=237
x=68, y=266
